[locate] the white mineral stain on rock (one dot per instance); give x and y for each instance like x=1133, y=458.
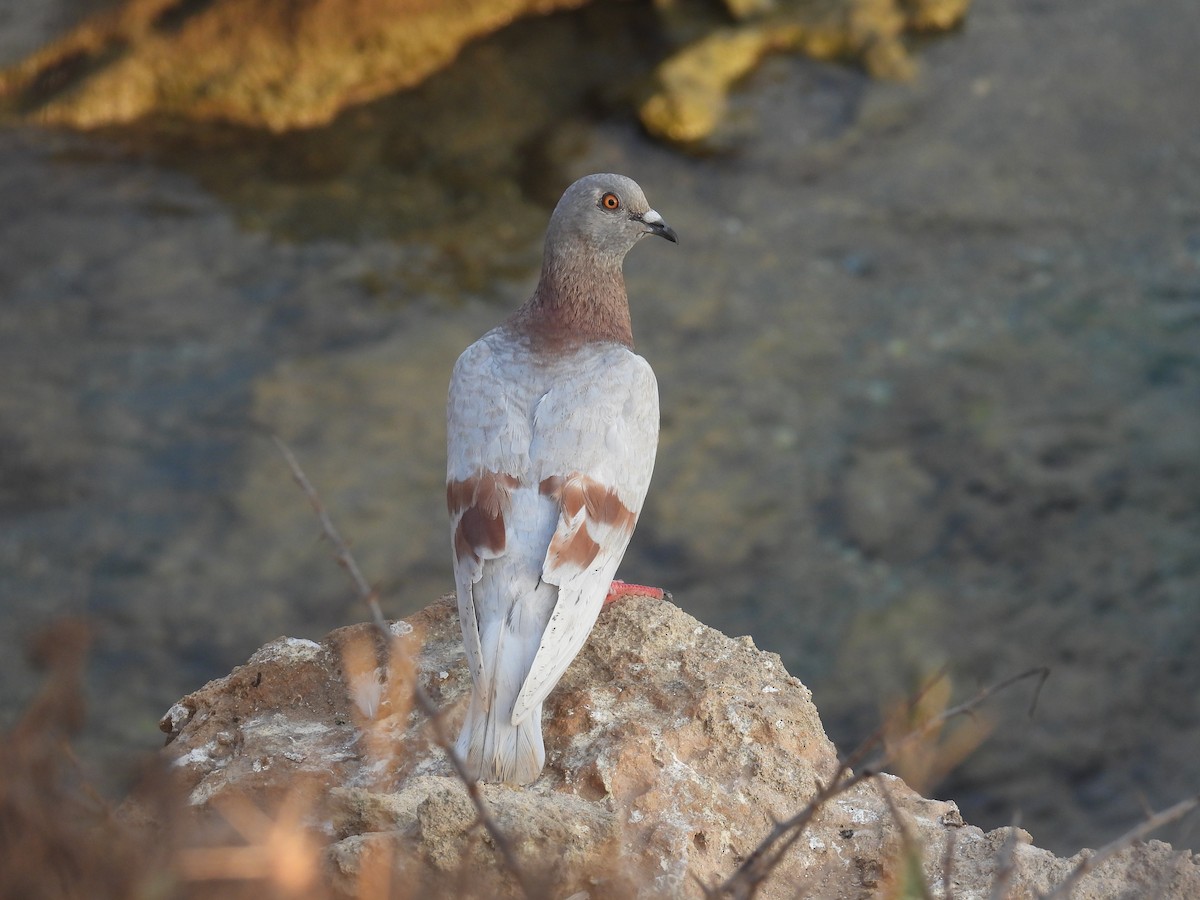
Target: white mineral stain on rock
x=286, y=648
x=278, y=724
x=195, y=757
x=400, y=628
x=856, y=814
x=177, y=716
x=203, y=792
x=301, y=644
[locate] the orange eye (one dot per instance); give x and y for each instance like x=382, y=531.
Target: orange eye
x=610, y=201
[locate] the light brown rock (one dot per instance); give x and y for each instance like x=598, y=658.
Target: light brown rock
x=689, y=100
x=263, y=63
x=284, y=65
x=671, y=749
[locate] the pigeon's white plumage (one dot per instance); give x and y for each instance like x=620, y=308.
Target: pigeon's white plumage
x=552, y=430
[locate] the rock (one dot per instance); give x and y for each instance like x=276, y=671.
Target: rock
x=936, y=15
x=262, y=63
x=281, y=65
x=689, y=100
x=671, y=751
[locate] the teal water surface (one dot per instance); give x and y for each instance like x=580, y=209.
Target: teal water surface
x=927, y=356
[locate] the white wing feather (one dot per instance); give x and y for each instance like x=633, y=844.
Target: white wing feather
x=485, y=432
x=603, y=425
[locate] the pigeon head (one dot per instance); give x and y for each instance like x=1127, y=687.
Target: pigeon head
x=580, y=297
x=603, y=216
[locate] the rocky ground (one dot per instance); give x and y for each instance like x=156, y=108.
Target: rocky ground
x=671, y=752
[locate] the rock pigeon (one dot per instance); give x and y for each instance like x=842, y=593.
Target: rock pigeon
x=552, y=432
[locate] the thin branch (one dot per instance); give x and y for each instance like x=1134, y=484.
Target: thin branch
x=794, y=827
x=908, y=839
x=744, y=883
x=341, y=550
x=1005, y=862
x=1043, y=672
x=754, y=870
x=948, y=866
x=346, y=560
x=911, y=845
x=757, y=867
x=705, y=888
x=1156, y=821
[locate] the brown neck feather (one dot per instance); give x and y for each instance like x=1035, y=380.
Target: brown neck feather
x=572, y=307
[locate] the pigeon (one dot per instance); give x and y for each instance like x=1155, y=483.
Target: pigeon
x=552, y=428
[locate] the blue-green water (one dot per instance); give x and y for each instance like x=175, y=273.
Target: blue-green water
x=927, y=354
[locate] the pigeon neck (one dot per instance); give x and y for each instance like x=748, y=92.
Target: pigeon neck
x=583, y=303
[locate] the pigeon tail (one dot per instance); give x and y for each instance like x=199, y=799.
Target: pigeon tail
x=494, y=749
x=494, y=745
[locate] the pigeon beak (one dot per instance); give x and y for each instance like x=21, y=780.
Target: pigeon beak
x=655, y=225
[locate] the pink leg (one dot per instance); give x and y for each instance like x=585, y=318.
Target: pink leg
x=621, y=589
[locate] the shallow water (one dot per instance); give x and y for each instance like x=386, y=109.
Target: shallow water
x=927, y=355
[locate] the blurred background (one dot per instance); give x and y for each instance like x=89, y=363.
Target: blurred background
x=928, y=351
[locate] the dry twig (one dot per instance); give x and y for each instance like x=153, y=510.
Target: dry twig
x=346, y=560
x=341, y=550
x=1005, y=862
x=912, y=848
x=279, y=850
x=948, y=866
x=744, y=883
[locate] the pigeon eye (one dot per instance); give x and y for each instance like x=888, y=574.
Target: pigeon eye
x=610, y=201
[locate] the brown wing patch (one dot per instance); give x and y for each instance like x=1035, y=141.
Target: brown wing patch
x=575, y=546
x=480, y=503
x=575, y=492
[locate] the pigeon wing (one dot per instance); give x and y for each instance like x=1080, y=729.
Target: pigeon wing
x=594, y=440
x=487, y=441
